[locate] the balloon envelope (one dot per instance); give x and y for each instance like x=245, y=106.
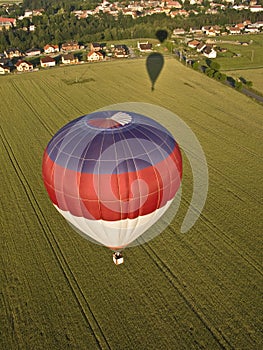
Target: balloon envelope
x=112, y=174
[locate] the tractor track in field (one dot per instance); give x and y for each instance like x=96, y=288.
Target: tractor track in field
x=235, y=185
x=186, y=295
x=29, y=105
x=188, y=299
x=65, y=99
x=60, y=96
x=223, y=175
x=70, y=278
x=228, y=241
x=226, y=140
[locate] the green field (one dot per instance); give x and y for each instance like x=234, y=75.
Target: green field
x=254, y=75
x=199, y=290
x=241, y=56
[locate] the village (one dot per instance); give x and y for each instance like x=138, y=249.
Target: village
x=199, y=40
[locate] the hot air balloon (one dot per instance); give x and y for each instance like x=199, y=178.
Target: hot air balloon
x=112, y=174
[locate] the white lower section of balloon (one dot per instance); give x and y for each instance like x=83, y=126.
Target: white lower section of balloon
x=114, y=234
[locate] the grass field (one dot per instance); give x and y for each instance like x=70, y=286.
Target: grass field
x=241, y=56
x=254, y=75
x=199, y=290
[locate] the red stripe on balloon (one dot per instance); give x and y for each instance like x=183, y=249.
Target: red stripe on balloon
x=113, y=197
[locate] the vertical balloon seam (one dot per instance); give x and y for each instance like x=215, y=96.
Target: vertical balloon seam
x=141, y=201
x=98, y=188
x=69, y=156
x=82, y=205
x=118, y=187
x=70, y=136
x=154, y=169
x=65, y=140
x=128, y=234
x=169, y=170
x=151, y=161
x=156, y=214
x=80, y=165
x=57, y=179
x=63, y=145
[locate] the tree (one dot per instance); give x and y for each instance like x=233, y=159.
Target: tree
x=196, y=66
x=249, y=84
x=214, y=65
x=209, y=72
x=238, y=85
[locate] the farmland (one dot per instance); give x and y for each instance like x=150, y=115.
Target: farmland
x=199, y=290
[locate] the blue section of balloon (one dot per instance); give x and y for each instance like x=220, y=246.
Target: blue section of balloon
x=79, y=144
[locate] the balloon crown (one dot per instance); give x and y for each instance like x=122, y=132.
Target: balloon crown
x=117, y=120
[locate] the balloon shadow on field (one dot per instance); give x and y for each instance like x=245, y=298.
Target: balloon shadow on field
x=154, y=64
x=155, y=61
x=161, y=35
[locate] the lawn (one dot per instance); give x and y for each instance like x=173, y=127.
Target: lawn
x=198, y=290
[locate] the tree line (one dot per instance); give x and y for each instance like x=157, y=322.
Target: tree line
x=63, y=25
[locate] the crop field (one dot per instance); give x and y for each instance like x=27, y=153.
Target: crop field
x=197, y=290
x=241, y=56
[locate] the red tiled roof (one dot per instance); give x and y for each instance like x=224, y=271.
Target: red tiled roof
x=47, y=59
x=7, y=20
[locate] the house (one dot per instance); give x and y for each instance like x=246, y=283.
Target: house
x=13, y=52
x=70, y=46
x=7, y=23
x=69, y=59
x=256, y=8
x=94, y=56
x=51, y=48
x=121, y=51
x=205, y=29
x=178, y=31
x=182, y=12
x=30, y=13
x=241, y=26
x=33, y=52
x=97, y=47
x=211, y=32
x=24, y=66
x=197, y=31
x=247, y=22
x=251, y=29
x=32, y=28
x=193, y=44
x=258, y=24
x=144, y=47
x=47, y=62
x=209, y=52
x=234, y=30
x=4, y=69
x=200, y=47
x=172, y=4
